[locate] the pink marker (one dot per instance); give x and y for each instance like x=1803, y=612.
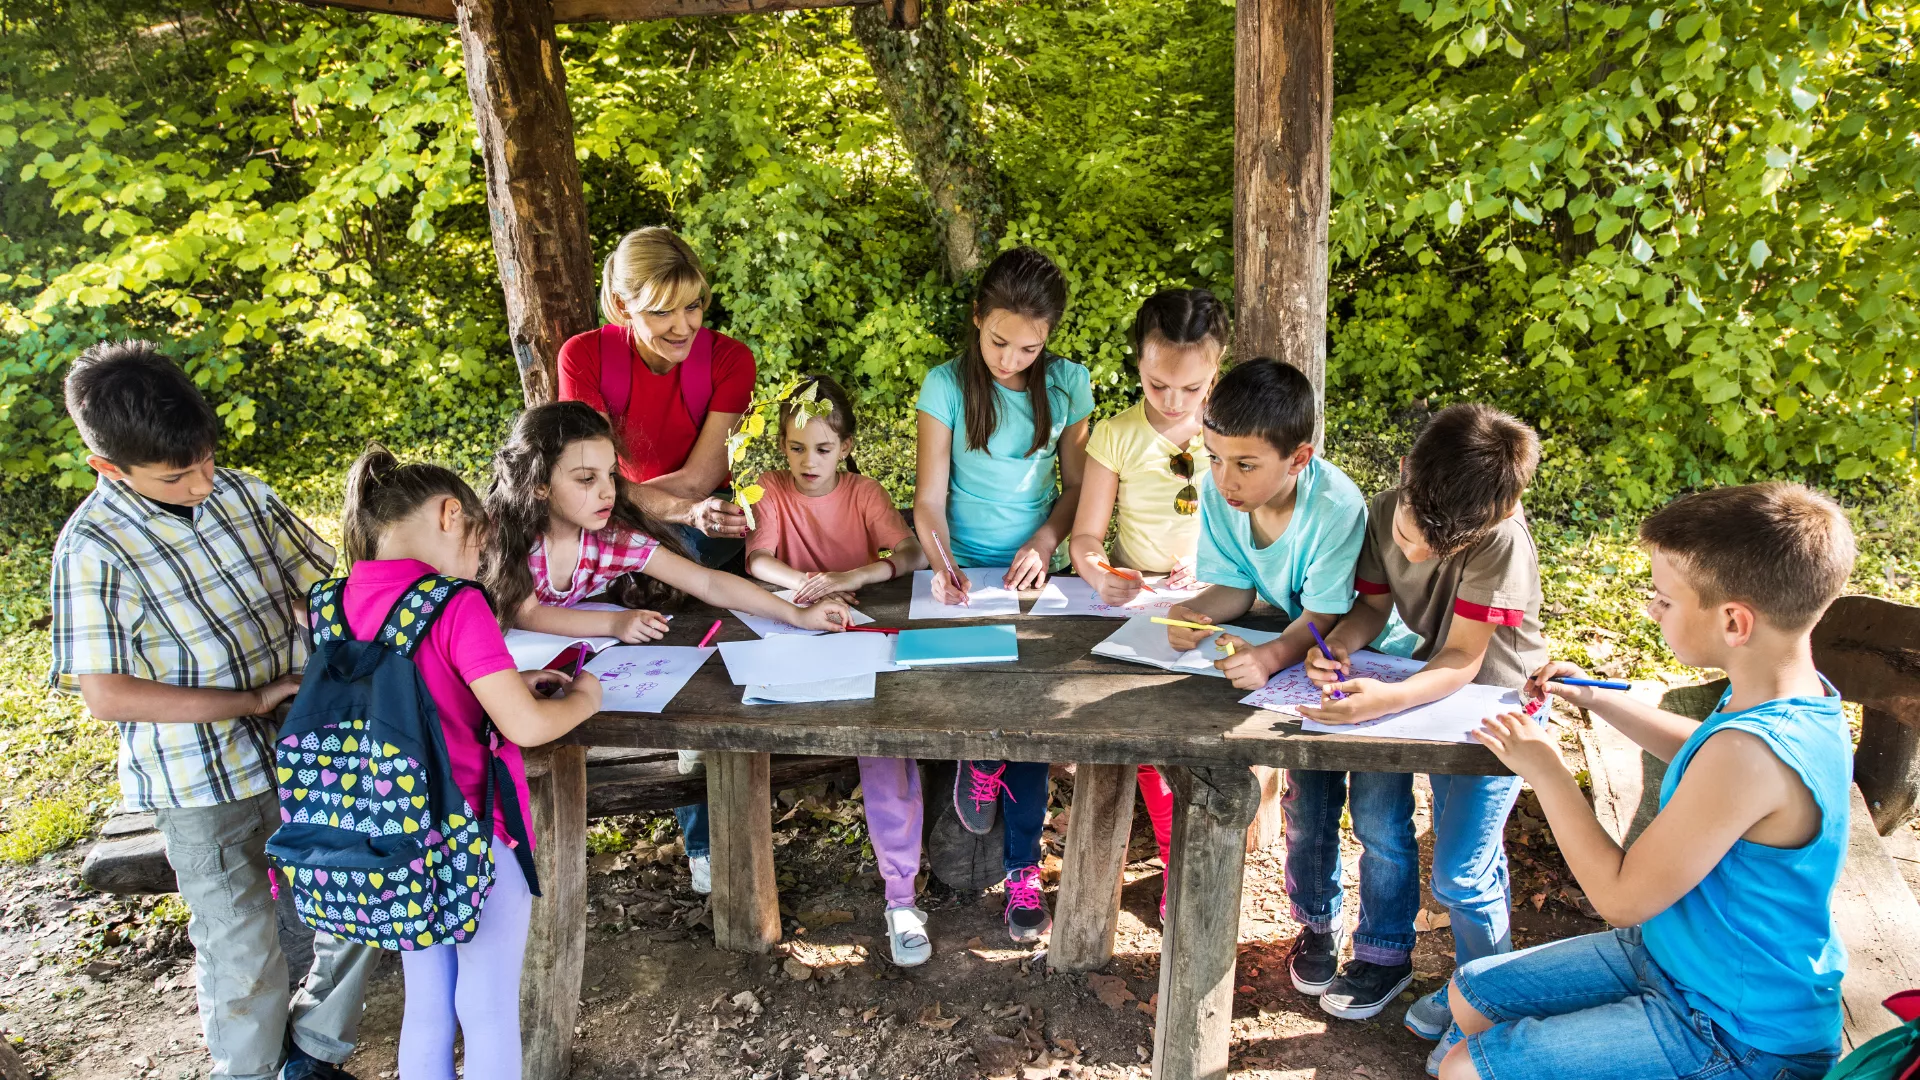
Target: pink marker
x=711, y=631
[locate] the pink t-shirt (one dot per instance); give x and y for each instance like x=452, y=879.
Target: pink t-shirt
x=605, y=555
x=464, y=645
x=844, y=529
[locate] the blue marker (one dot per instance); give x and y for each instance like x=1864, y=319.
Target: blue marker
x=1328, y=653
x=1598, y=684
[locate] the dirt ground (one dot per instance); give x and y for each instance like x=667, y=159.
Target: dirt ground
x=100, y=988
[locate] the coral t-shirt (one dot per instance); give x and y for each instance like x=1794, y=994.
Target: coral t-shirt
x=656, y=433
x=844, y=529
x=464, y=645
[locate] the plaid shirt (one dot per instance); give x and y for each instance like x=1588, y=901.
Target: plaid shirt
x=604, y=556
x=215, y=601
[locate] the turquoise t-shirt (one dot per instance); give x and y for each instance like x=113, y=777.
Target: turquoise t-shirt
x=1307, y=568
x=998, y=496
x=1753, y=945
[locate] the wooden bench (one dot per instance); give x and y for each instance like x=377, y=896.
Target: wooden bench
x=1870, y=650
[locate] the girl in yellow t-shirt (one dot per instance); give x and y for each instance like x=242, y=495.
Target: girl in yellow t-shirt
x=1144, y=459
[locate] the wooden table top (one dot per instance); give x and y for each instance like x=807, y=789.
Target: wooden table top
x=1058, y=702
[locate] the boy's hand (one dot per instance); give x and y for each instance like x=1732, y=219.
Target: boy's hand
x=839, y=587
x=1182, y=575
x=947, y=590
x=1029, y=568
x=639, y=625
x=1366, y=699
x=1521, y=745
x=275, y=692
x=1249, y=667
x=1184, y=638
x=1326, y=672
x=1541, y=683
x=826, y=615
x=1115, y=589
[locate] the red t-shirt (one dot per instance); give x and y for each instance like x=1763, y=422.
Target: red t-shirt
x=464, y=646
x=657, y=433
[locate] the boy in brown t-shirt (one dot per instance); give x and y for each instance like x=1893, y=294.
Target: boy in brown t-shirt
x=1450, y=551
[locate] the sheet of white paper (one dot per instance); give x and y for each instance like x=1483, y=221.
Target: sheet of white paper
x=1144, y=641
x=785, y=659
x=1073, y=596
x=851, y=688
x=1448, y=720
x=766, y=627
x=595, y=605
x=532, y=651
x=1289, y=689
x=643, y=678
x=986, y=597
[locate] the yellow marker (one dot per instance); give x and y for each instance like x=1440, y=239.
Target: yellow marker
x=1188, y=625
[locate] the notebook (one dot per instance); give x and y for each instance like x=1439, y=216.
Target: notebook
x=994, y=643
x=532, y=650
x=785, y=659
x=1140, y=640
x=851, y=688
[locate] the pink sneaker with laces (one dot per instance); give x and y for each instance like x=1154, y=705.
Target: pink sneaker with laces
x=977, y=787
x=1027, y=917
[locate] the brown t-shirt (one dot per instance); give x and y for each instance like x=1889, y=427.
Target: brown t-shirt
x=1497, y=580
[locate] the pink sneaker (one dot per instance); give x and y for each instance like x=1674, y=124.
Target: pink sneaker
x=977, y=786
x=1026, y=916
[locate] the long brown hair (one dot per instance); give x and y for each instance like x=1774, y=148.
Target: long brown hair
x=1025, y=282
x=382, y=491
x=522, y=465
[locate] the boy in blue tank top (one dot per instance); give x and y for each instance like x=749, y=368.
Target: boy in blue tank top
x=1727, y=963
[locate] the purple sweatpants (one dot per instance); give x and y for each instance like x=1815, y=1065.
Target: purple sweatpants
x=472, y=988
x=891, y=787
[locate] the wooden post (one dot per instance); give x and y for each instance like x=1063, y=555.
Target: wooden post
x=1887, y=767
x=746, y=898
x=557, y=939
x=1198, y=947
x=1269, y=824
x=1088, y=909
x=1283, y=122
x=534, y=200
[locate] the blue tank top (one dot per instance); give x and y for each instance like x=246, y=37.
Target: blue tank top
x=1753, y=945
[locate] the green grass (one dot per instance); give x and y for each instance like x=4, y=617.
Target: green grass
x=57, y=763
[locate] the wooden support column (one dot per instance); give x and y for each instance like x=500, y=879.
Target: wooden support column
x=746, y=898
x=534, y=201
x=1088, y=909
x=1283, y=123
x=1200, y=942
x=557, y=939
x=1887, y=767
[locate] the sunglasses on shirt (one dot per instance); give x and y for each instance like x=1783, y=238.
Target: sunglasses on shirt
x=1187, y=500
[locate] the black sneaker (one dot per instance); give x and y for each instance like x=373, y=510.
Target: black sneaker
x=1363, y=989
x=1314, y=960
x=1026, y=916
x=304, y=1066
x=976, y=793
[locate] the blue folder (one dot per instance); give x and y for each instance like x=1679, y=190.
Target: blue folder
x=992, y=643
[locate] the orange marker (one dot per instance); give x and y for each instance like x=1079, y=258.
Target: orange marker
x=1130, y=575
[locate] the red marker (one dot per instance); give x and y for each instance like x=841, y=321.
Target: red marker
x=873, y=629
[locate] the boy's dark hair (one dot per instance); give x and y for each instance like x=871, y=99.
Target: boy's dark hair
x=1465, y=474
x=840, y=417
x=1025, y=282
x=1181, y=317
x=1266, y=398
x=382, y=491
x=135, y=407
x=1779, y=548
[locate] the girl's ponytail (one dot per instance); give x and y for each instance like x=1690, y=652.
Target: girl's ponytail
x=382, y=491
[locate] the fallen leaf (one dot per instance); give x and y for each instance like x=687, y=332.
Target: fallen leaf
x=1000, y=1058
x=1539, y=900
x=1111, y=990
x=817, y=1055
x=796, y=970
x=1067, y=1046
x=1432, y=920
x=931, y=1019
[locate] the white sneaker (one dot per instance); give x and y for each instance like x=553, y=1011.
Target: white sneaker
x=907, y=936
x=702, y=868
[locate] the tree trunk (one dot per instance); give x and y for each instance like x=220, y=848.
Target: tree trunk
x=920, y=75
x=534, y=200
x=1283, y=121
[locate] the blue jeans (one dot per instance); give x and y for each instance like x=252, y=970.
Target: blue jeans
x=710, y=551
x=1470, y=860
x=1023, y=807
x=1382, y=812
x=693, y=826
x=1598, y=1007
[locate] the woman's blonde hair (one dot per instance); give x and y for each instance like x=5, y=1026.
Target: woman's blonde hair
x=651, y=269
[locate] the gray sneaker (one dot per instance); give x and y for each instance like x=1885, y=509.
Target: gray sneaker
x=977, y=787
x=1431, y=1016
x=1440, y=1049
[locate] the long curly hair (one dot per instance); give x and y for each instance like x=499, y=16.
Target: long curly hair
x=524, y=464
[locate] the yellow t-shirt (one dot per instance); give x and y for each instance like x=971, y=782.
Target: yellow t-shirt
x=1152, y=535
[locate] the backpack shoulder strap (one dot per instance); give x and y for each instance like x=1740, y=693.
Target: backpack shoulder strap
x=415, y=612
x=327, y=612
x=696, y=378
x=616, y=369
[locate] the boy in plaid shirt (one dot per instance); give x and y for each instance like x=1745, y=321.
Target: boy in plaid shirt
x=178, y=613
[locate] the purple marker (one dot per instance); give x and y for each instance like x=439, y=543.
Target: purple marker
x=1328, y=653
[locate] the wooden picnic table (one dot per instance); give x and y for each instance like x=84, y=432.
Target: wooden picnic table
x=1057, y=703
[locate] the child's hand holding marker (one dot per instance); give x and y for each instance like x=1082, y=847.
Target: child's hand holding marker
x=950, y=585
x=1248, y=667
x=637, y=625
x=1569, y=683
x=1117, y=586
x=1187, y=628
x=830, y=615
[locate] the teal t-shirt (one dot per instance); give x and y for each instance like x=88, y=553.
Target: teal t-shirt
x=998, y=496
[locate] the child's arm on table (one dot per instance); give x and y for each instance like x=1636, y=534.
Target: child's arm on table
x=1030, y=563
x=1251, y=666
x=129, y=699
x=933, y=468
x=631, y=626
x=1733, y=786
x=728, y=591
x=1658, y=731
x=1215, y=604
x=1099, y=488
x=1365, y=699
x=526, y=720
x=905, y=558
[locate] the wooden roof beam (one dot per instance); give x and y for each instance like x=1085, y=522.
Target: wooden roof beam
x=905, y=13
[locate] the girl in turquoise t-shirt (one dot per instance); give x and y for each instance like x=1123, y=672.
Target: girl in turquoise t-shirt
x=993, y=423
